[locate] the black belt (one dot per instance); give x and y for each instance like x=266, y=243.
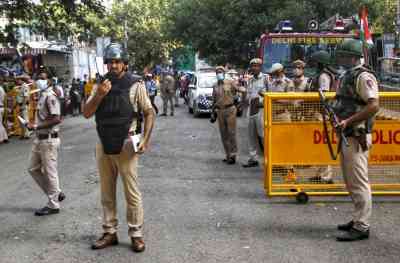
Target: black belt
x=47, y=136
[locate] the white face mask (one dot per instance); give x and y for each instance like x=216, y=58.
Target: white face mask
x=42, y=84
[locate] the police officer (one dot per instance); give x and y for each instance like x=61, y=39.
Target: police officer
x=280, y=83
x=224, y=93
x=116, y=104
x=43, y=159
x=300, y=82
x=257, y=85
x=168, y=92
x=325, y=81
x=357, y=102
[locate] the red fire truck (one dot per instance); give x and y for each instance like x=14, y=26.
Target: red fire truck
x=285, y=46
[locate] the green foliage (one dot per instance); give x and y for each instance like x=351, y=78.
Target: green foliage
x=147, y=42
x=50, y=17
x=225, y=31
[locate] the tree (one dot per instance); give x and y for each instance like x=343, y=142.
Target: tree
x=225, y=31
x=147, y=42
x=49, y=17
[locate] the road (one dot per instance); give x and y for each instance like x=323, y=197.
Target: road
x=197, y=209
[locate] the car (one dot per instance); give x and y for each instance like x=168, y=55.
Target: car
x=200, y=93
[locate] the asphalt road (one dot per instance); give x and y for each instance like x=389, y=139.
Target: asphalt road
x=197, y=209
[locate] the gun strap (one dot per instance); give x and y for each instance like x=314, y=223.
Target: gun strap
x=328, y=139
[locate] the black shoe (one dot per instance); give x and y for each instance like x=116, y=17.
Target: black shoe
x=61, y=197
x=164, y=114
x=45, y=211
x=346, y=227
x=231, y=160
x=250, y=163
x=225, y=160
x=172, y=114
x=353, y=235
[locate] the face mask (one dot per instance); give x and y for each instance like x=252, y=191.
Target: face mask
x=220, y=76
x=42, y=84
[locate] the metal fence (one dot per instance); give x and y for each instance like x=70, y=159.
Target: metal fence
x=297, y=159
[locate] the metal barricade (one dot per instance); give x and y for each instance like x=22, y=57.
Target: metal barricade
x=296, y=151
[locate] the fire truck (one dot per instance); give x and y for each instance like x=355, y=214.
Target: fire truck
x=285, y=46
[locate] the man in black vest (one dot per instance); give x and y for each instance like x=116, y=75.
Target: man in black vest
x=116, y=104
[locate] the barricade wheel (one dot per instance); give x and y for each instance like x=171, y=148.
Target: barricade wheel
x=302, y=198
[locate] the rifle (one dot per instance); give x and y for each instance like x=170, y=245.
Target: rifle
x=328, y=112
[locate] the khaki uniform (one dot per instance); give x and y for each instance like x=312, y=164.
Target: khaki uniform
x=3, y=132
x=124, y=165
x=284, y=84
x=22, y=100
x=300, y=84
x=223, y=97
x=168, y=93
x=256, y=119
x=354, y=161
x=43, y=159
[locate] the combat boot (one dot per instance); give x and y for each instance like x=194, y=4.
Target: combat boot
x=106, y=240
x=138, y=244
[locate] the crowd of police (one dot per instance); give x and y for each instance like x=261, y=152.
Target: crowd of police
x=356, y=105
x=120, y=99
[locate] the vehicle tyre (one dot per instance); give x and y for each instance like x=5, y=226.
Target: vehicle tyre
x=302, y=198
x=195, y=110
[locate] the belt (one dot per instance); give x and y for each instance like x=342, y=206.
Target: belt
x=47, y=136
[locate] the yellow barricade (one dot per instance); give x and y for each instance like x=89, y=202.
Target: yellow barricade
x=296, y=150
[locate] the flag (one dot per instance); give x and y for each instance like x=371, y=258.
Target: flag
x=365, y=34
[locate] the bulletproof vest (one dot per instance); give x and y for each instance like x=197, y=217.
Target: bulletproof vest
x=348, y=102
x=315, y=81
x=115, y=114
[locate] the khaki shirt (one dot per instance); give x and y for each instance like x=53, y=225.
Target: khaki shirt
x=138, y=98
x=223, y=95
x=300, y=84
x=48, y=106
x=367, y=86
x=283, y=84
x=168, y=85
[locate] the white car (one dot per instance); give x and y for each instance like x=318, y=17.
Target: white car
x=200, y=93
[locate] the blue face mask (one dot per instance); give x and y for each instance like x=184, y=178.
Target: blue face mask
x=42, y=84
x=220, y=76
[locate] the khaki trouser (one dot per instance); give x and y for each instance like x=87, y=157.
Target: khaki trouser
x=227, y=128
x=255, y=133
x=168, y=98
x=43, y=168
x=354, y=163
x=125, y=165
x=3, y=132
x=324, y=172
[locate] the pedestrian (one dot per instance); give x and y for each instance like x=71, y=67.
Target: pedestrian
x=75, y=97
x=177, y=88
x=43, y=159
x=224, y=93
x=116, y=123
x=167, y=92
x=324, y=81
x=257, y=85
x=3, y=131
x=58, y=89
x=151, y=87
x=357, y=102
